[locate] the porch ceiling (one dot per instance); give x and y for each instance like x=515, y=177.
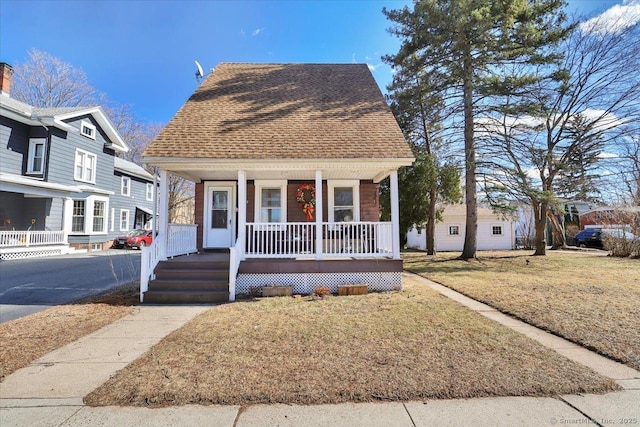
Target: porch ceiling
x=364, y=169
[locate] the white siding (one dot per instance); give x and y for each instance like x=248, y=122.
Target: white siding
x=417, y=240
x=446, y=242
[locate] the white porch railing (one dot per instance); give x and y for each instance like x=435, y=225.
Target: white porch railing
x=24, y=239
x=280, y=240
x=370, y=239
x=182, y=239
x=297, y=239
x=236, y=254
x=149, y=258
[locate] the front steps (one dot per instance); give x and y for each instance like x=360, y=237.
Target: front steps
x=194, y=279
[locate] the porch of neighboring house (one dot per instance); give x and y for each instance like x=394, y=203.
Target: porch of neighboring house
x=35, y=218
x=232, y=250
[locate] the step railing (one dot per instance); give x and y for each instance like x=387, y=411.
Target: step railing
x=150, y=256
x=181, y=239
x=236, y=254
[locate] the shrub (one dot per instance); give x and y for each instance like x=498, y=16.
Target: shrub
x=621, y=247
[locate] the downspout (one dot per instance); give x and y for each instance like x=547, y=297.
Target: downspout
x=45, y=172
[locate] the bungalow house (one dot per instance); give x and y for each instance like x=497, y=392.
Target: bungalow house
x=286, y=160
x=61, y=185
x=494, y=231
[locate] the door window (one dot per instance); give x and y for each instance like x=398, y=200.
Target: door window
x=219, y=210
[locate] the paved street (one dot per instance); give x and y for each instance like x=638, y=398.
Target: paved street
x=31, y=285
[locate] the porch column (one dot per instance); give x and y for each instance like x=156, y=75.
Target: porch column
x=163, y=214
x=242, y=211
x=319, y=198
x=395, y=215
x=67, y=215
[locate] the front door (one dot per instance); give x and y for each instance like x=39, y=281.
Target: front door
x=219, y=217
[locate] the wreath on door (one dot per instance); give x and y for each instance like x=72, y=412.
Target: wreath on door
x=308, y=206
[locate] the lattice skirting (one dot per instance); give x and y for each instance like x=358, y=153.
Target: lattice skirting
x=305, y=283
x=30, y=254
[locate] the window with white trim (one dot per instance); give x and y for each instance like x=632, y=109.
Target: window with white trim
x=85, y=166
x=454, y=230
x=125, y=186
x=344, y=200
x=35, y=163
x=78, y=216
x=124, y=219
x=496, y=230
x=149, y=193
x=87, y=129
x=99, y=216
x=90, y=215
x=271, y=201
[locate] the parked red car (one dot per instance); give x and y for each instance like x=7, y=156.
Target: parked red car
x=135, y=239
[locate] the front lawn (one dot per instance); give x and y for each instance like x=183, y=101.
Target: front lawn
x=409, y=345
x=588, y=298
x=28, y=338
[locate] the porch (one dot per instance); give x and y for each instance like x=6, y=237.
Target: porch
x=16, y=244
x=303, y=254
x=291, y=254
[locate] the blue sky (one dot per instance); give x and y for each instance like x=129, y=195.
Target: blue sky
x=141, y=53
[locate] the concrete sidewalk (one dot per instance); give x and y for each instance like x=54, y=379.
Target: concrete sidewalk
x=49, y=392
x=609, y=409
x=71, y=372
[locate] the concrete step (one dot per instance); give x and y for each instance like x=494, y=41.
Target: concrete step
x=186, y=285
x=185, y=297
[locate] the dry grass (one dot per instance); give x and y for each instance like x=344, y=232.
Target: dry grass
x=587, y=298
x=414, y=344
x=28, y=338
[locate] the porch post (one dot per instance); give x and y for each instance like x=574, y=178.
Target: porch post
x=67, y=215
x=319, y=209
x=163, y=214
x=242, y=210
x=395, y=215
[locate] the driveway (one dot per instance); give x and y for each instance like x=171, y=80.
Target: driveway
x=31, y=285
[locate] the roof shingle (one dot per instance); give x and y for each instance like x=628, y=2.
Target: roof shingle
x=284, y=111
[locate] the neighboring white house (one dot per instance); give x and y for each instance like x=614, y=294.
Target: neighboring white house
x=494, y=232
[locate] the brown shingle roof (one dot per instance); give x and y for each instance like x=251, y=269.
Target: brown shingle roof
x=284, y=111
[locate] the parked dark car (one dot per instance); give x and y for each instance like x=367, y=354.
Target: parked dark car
x=592, y=237
x=134, y=239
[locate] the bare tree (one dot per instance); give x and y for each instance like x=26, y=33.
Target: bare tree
x=582, y=111
x=46, y=81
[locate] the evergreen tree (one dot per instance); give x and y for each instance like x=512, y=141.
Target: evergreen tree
x=466, y=48
x=430, y=180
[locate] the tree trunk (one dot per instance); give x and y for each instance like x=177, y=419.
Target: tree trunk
x=558, y=231
x=471, y=228
x=431, y=223
x=540, y=220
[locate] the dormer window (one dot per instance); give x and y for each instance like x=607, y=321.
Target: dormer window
x=87, y=129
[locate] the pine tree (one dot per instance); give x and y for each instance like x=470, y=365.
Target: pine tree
x=466, y=48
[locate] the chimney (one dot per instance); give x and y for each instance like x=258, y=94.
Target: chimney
x=6, y=74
